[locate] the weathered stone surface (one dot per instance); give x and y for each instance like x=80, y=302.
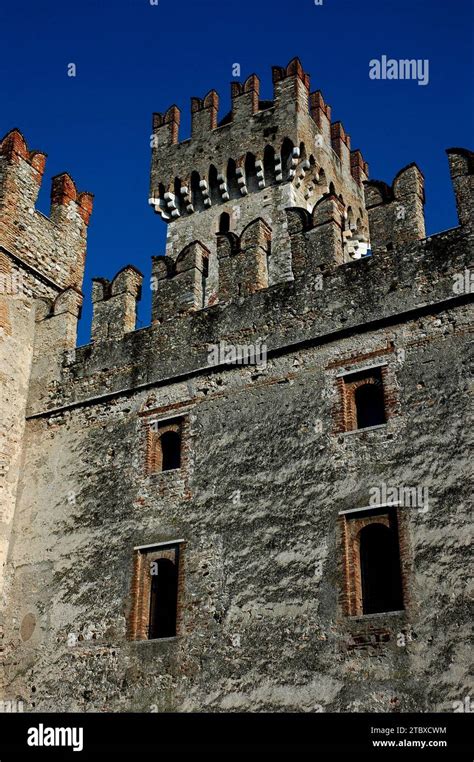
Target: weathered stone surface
x=266, y=468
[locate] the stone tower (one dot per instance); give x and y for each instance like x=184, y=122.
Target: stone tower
x=41, y=270
x=181, y=534
x=259, y=160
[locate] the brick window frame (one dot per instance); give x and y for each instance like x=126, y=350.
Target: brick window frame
x=350, y=525
x=143, y=557
x=154, y=453
x=347, y=384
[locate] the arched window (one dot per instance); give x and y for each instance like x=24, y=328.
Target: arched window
x=369, y=403
x=205, y=275
x=380, y=569
x=170, y=450
x=214, y=192
x=232, y=184
x=177, y=193
x=163, y=599
x=350, y=219
x=196, y=191
x=269, y=165
x=224, y=223
x=251, y=173
x=286, y=154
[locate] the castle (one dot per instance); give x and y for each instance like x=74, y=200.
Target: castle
x=180, y=534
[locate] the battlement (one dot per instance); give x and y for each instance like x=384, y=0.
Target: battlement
x=323, y=237
x=258, y=160
x=258, y=144
x=115, y=304
x=54, y=245
x=396, y=211
x=461, y=167
x=325, y=302
x=307, y=343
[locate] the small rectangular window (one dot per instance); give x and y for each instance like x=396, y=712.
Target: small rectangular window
x=156, y=588
x=363, y=399
x=372, y=564
x=164, y=445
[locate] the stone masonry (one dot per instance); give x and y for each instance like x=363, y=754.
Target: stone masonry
x=275, y=235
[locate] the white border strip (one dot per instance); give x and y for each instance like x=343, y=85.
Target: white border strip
x=158, y=544
x=150, y=421
x=370, y=508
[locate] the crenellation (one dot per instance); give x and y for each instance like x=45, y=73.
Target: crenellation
x=359, y=167
x=115, y=304
x=179, y=286
x=245, y=98
x=341, y=142
x=396, y=212
x=324, y=300
x=204, y=113
x=461, y=167
x=249, y=479
x=243, y=261
x=321, y=113
x=56, y=245
x=273, y=154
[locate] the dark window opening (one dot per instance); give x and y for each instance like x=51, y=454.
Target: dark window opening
x=196, y=191
x=205, y=275
x=171, y=450
x=178, y=200
x=286, y=156
x=232, y=182
x=163, y=599
x=214, y=191
x=224, y=223
x=370, y=407
x=380, y=569
x=269, y=165
x=251, y=180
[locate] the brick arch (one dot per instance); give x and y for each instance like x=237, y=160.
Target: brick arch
x=351, y=527
x=351, y=406
x=156, y=457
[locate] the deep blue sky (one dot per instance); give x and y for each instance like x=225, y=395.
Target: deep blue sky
x=133, y=58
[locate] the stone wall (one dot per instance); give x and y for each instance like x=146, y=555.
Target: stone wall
x=257, y=504
x=272, y=470
x=41, y=271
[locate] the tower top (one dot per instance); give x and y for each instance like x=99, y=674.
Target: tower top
x=257, y=144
